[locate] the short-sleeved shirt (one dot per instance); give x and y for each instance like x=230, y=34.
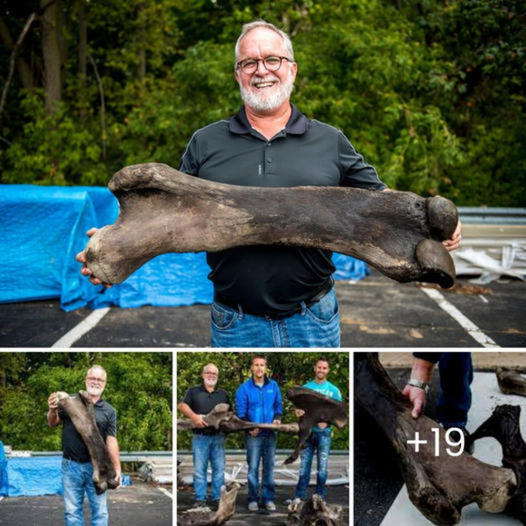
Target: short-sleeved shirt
x=202, y=402
x=73, y=447
x=273, y=280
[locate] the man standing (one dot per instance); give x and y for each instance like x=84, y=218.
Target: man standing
x=319, y=440
x=77, y=470
x=259, y=400
x=272, y=296
x=456, y=375
x=208, y=444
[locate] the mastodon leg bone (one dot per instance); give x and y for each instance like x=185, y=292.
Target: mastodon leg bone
x=80, y=410
x=163, y=210
x=439, y=486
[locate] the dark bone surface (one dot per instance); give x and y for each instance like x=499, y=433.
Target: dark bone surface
x=80, y=409
x=504, y=426
x=438, y=486
x=511, y=382
x=206, y=517
x=163, y=210
x=318, y=408
x=314, y=512
x=227, y=422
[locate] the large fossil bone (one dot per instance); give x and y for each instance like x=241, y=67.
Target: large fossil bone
x=80, y=410
x=439, y=486
x=314, y=512
x=163, y=210
x=504, y=425
x=226, y=421
x=206, y=517
x=511, y=382
x=317, y=408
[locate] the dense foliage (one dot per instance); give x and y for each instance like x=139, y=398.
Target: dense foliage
x=139, y=386
x=288, y=369
x=430, y=91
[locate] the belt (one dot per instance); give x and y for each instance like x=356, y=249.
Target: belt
x=219, y=298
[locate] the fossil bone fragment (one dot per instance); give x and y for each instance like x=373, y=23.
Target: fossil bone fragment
x=227, y=422
x=504, y=426
x=80, y=409
x=318, y=408
x=439, y=486
x=206, y=517
x=511, y=382
x=163, y=210
x=314, y=512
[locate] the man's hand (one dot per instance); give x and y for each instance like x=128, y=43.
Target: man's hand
x=85, y=271
x=276, y=421
x=299, y=412
x=254, y=432
x=323, y=425
x=52, y=402
x=198, y=421
x=118, y=478
x=454, y=242
x=417, y=397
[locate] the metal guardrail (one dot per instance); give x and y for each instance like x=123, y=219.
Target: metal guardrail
x=125, y=456
x=492, y=215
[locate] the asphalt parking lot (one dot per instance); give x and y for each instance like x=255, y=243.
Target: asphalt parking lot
x=137, y=505
x=336, y=495
x=374, y=312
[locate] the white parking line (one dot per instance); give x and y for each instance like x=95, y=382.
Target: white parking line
x=464, y=322
x=165, y=491
x=82, y=328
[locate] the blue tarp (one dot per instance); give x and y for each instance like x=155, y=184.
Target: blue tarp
x=3, y=471
x=33, y=476
x=44, y=227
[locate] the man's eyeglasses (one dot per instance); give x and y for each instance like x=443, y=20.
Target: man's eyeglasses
x=94, y=379
x=210, y=372
x=250, y=65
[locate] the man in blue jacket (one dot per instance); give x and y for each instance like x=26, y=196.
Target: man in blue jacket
x=319, y=440
x=259, y=400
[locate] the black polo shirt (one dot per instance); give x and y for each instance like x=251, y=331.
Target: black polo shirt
x=73, y=447
x=202, y=402
x=274, y=279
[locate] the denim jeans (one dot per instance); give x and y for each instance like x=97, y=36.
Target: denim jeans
x=456, y=375
x=76, y=480
x=315, y=326
x=207, y=448
x=261, y=447
x=321, y=443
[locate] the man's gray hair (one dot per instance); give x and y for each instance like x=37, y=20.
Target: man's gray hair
x=97, y=367
x=262, y=23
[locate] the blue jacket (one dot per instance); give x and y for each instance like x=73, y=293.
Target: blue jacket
x=259, y=404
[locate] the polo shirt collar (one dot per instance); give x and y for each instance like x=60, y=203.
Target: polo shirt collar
x=296, y=125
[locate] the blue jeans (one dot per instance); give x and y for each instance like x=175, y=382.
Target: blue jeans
x=261, y=447
x=315, y=326
x=207, y=448
x=321, y=443
x=456, y=375
x=76, y=480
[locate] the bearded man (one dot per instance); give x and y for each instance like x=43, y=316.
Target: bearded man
x=77, y=470
x=273, y=296
x=208, y=443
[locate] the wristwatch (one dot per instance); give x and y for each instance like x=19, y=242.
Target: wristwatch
x=418, y=383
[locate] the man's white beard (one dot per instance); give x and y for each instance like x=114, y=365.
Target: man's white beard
x=95, y=391
x=210, y=383
x=269, y=98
